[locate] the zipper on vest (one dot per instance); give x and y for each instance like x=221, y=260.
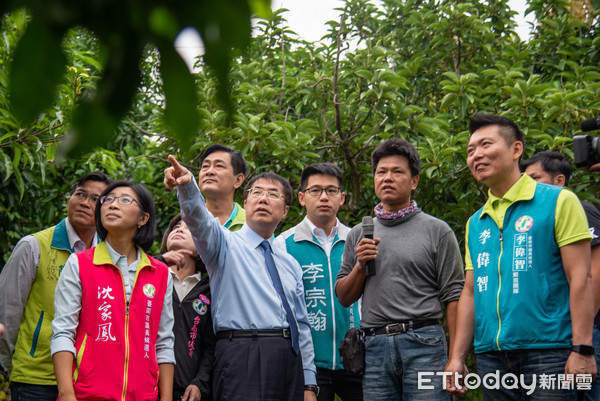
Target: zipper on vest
x=125, y=371
x=499, y=288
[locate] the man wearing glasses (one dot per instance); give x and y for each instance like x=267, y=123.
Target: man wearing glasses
x=264, y=350
x=317, y=243
x=27, y=284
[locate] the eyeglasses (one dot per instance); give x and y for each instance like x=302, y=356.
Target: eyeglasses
x=123, y=200
x=259, y=192
x=317, y=191
x=82, y=196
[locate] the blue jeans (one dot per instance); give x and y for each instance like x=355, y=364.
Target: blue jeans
x=594, y=393
x=393, y=363
x=550, y=362
x=32, y=392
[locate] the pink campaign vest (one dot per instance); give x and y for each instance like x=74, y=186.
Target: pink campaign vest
x=115, y=342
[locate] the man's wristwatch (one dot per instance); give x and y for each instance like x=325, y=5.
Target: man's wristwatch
x=312, y=387
x=585, y=350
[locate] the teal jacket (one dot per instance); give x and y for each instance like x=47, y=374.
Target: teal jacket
x=328, y=319
x=520, y=290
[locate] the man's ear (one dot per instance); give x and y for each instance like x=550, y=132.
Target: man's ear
x=239, y=180
x=518, y=149
x=301, y=198
x=414, y=182
x=559, y=180
x=286, y=209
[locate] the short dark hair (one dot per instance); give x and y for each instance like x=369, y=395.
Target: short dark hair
x=163, y=245
x=238, y=163
x=397, y=147
x=553, y=163
x=271, y=176
x=144, y=238
x=93, y=176
x=508, y=129
x=320, y=168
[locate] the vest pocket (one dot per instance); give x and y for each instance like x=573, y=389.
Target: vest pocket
x=76, y=374
x=36, y=334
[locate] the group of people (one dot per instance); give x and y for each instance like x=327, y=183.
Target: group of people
x=228, y=311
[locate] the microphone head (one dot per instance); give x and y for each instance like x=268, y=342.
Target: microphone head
x=590, y=124
x=368, y=226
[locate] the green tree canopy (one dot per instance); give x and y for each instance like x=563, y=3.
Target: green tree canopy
x=419, y=71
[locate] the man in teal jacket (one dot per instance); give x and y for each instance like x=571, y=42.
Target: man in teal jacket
x=27, y=286
x=317, y=243
x=528, y=296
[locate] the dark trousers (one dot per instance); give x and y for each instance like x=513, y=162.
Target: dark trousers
x=33, y=392
x=257, y=369
x=331, y=382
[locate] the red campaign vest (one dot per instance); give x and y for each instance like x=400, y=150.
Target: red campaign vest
x=115, y=342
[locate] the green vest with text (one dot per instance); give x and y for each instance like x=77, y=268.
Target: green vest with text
x=31, y=361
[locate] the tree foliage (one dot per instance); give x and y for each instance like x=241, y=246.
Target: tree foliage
x=414, y=69
x=122, y=31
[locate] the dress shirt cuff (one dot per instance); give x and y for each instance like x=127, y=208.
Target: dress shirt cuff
x=310, y=377
x=165, y=355
x=59, y=344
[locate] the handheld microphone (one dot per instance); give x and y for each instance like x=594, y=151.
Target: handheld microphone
x=368, y=228
x=590, y=124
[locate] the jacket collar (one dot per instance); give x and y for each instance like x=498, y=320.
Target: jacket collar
x=102, y=257
x=303, y=233
x=60, y=237
x=522, y=190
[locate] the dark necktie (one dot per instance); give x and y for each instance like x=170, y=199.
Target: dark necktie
x=279, y=288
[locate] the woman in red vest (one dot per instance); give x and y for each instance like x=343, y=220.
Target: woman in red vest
x=113, y=320
x=194, y=336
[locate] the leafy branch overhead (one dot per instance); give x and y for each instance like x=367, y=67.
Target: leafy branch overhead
x=123, y=30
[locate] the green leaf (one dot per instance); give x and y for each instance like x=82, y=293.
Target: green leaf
x=20, y=183
x=8, y=166
x=38, y=65
x=261, y=8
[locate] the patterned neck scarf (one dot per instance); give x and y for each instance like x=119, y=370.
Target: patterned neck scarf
x=394, y=215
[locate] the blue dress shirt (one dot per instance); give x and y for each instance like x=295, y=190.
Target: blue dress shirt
x=244, y=297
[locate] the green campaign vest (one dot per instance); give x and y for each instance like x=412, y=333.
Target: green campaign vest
x=31, y=361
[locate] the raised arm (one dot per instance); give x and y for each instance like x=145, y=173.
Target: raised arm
x=206, y=230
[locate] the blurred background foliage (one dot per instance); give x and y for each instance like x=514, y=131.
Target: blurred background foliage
x=109, y=93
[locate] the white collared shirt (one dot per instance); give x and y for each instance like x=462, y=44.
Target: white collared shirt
x=326, y=241
x=76, y=243
x=183, y=287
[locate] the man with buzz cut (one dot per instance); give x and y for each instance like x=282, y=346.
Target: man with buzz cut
x=552, y=168
x=528, y=298
x=27, y=284
x=317, y=243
